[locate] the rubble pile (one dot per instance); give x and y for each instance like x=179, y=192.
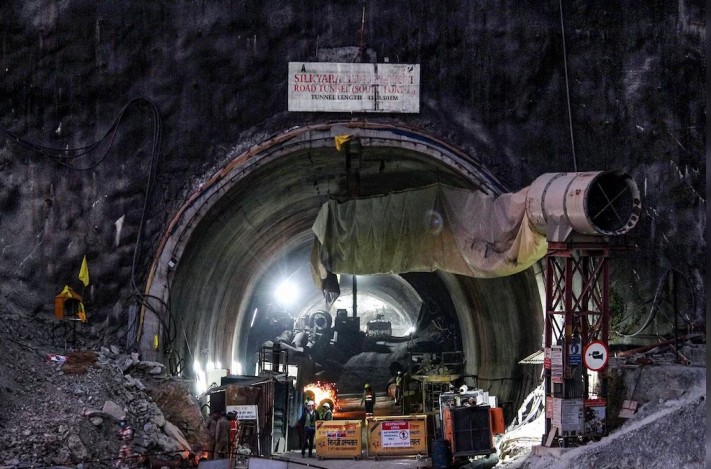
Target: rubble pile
x=663, y=433
x=60, y=406
x=665, y=382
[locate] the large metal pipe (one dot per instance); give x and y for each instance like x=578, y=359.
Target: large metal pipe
x=321, y=320
x=600, y=203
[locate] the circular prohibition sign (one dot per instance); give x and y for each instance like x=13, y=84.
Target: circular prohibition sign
x=595, y=355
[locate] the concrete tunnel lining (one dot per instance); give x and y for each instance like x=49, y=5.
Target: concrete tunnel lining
x=491, y=342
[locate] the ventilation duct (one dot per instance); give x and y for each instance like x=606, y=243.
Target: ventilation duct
x=467, y=232
x=603, y=203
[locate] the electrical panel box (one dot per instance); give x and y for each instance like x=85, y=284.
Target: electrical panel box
x=468, y=429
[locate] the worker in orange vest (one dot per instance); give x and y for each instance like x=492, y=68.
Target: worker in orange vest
x=368, y=399
x=234, y=427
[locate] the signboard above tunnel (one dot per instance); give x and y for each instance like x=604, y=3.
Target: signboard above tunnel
x=354, y=87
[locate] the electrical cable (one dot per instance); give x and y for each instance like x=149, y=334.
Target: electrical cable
x=140, y=297
x=633, y=312
x=567, y=87
x=64, y=156
x=69, y=154
x=657, y=299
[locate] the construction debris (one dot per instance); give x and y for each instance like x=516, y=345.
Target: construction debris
x=61, y=407
x=666, y=352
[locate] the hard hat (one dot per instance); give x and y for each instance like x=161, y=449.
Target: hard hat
x=310, y=403
x=327, y=405
x=399, y=372
x=366, y=385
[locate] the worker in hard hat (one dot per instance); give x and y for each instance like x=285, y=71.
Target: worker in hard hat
x=368, y=399
x=398, y=387
x=326, y=412
x=308, y=424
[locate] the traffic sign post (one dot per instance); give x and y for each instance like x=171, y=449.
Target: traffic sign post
x=596, y=355
x=575, y=335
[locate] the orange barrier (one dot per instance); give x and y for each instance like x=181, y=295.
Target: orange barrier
x=397, y=436
x=338, y=439
x=497, y=420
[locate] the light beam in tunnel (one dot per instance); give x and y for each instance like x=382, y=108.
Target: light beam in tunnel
x=254, y=316
x=286, y=293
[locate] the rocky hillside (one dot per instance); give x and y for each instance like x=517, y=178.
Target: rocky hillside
x=667, y=430
x=60, y=406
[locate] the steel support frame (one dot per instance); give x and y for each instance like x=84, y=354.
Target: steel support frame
x=577, y=307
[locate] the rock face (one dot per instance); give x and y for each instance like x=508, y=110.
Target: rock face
x=493, y=84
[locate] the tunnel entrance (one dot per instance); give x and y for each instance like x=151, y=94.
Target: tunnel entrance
x=250, y=223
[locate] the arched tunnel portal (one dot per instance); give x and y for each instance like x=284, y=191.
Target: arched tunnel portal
x=249, y=227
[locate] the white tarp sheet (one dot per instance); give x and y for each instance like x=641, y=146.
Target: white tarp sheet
x=422, y=230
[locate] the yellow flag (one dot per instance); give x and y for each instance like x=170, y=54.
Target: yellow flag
x=81, y=313
x=340, y=140
x=84, y=272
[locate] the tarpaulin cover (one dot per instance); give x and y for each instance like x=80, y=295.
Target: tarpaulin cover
x=422, y=230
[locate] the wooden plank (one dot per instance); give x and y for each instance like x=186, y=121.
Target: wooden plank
x=551, y=436
x=629, y=408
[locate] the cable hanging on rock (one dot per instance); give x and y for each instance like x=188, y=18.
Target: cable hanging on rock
x=567, y=87
x=65, y=156
x=658, y=299
x=68, y=157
